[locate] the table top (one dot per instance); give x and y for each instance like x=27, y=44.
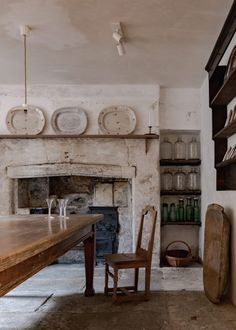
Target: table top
x=26, y=235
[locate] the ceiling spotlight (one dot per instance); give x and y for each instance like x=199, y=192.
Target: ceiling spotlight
x=120, y=48
x=117, y=36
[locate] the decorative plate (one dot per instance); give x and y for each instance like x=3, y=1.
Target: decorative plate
x=71, y=120
x=30, y=121
x=117, y=120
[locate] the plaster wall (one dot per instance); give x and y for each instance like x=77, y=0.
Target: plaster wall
x=180, y=108
x=93, y=99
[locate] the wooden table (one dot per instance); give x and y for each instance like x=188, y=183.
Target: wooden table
x=29, y=243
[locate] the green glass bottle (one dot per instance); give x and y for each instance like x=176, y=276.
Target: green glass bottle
x=181, y=210
x=196, y=210
x=165, y=212
x=172, y=213
x=189, y=210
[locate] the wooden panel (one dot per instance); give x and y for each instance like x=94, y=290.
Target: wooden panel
x=227, y=131
x=216, y=81
x=227, y=92
x=223, y=41
x=30, y=242
x=98, y=136
x=182, y=162
x=216, y=253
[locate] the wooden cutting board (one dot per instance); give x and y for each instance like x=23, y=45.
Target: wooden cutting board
x=216, y=252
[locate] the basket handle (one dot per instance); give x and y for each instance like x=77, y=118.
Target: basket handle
x=189, y=249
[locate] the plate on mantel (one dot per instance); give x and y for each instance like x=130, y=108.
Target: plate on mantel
x=117, y=120
x=22, y=121
x=69, y=120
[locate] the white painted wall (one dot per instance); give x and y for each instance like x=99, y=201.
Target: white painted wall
x=180, y=108
x=92, y=98
x=209, y=194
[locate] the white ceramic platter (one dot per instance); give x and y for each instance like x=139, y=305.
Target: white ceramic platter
x=117, y=120
x=25, y=122
x=71, y=120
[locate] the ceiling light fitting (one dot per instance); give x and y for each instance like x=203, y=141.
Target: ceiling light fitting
x=118, y=36
x=24, y=31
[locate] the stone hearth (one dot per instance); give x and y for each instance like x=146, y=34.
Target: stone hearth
x=109, y=158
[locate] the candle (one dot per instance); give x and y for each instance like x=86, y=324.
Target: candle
x=151, y=118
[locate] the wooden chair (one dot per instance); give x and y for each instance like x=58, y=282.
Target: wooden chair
x=142, y=258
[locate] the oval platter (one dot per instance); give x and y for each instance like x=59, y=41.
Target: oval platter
x=69, y=120
x=117, y=120
x=30, y=121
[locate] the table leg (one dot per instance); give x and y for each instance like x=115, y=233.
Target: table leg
x=89, y=265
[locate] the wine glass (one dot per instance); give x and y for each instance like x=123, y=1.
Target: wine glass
x=64, y=207
x=49, y=203
x=61, y=203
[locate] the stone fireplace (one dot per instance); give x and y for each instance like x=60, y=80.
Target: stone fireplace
x=108, y=171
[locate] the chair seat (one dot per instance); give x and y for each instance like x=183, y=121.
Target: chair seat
x=126, y=260
x=140, y=259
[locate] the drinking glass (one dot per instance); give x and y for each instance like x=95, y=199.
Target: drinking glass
x=64, y=207
x=61, y=203
x=49, y=203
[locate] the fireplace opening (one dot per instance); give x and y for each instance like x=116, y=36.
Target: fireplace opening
x=109, y=196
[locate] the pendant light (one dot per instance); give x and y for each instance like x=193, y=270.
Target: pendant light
x=25, y=119
x=24, y=31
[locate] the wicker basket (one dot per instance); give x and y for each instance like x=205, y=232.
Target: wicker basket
x=178, y=257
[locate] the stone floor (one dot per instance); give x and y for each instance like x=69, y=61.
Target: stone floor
x=52, y=299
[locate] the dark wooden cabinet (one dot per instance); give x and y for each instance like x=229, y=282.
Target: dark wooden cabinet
x=221, y=91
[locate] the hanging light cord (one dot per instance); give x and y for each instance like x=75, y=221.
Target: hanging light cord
x=25, y=68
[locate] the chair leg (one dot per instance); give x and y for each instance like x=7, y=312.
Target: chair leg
x=106, y=279
x=115, y=286
x=136, y=275
x=147, y=281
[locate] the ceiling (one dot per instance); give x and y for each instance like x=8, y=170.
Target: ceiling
x=168, y=42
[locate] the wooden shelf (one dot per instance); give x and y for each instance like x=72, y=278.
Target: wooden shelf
x=180, y=162
x=227, y=91
x=226, y=131
x=181, y=223
x=84, y=136
x=180, y=192
x=225, y=163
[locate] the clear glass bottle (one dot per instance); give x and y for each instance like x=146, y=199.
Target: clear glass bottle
x=179, y=180
x=196, y=210
x=192, y=180
x=167, y=180
x=166, y=149
x=179, y=149
x=193, y=149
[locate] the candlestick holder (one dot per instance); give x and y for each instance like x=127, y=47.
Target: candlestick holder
x=150, y=131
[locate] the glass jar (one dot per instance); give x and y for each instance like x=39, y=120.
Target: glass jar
x=193, y=149
x=167, y=180
x=179, y=149
x=192, y=180
x=179, y=180
x=166, y=149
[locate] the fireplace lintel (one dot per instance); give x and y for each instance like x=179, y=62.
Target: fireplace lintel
x=65, y=169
